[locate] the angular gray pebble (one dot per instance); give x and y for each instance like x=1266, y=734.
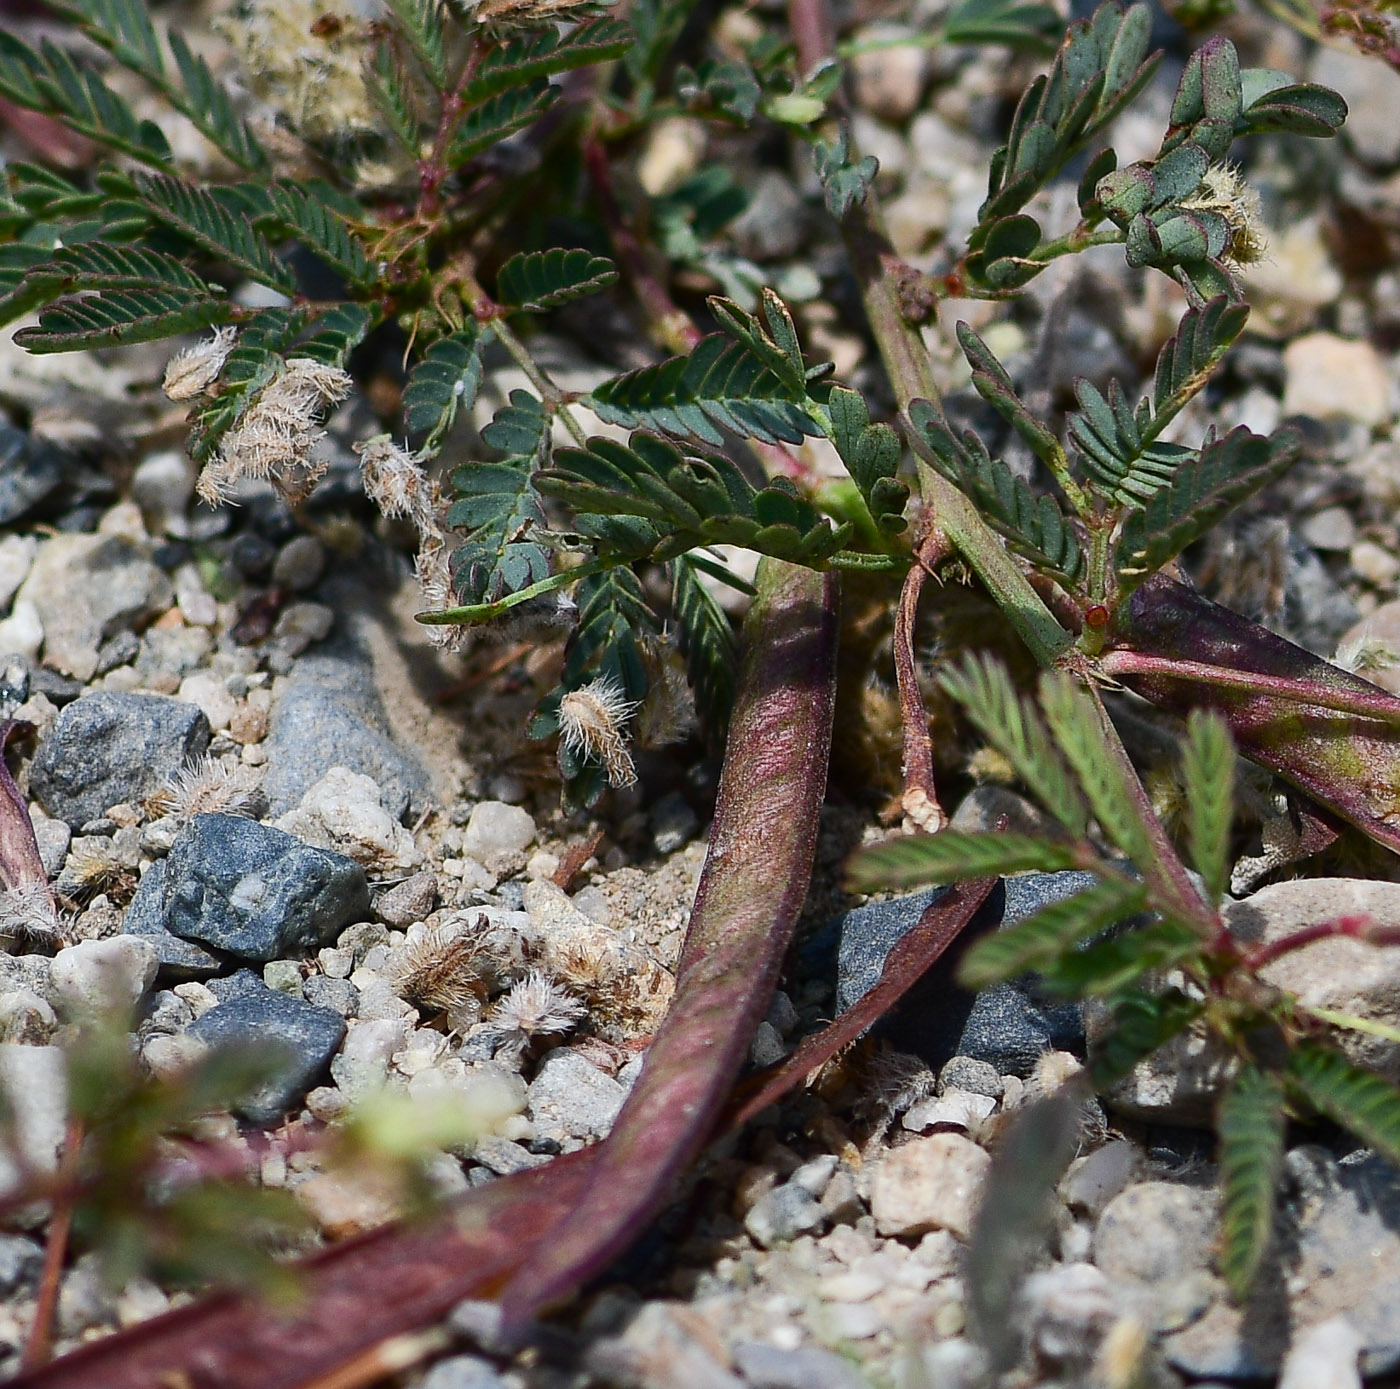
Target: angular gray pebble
x=254, y=891
x=300, y=1039
x=113, y=746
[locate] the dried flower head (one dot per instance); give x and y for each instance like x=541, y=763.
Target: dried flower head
x=208, y=787
x=306, y=59
x=500, y=18
x=667, y=714
x=28, y=913
x=591, y=720
x=1224, y=191
x=434, y=573
x=276, y=434
x=93, y=866
x=534, y=1007
x=448, y=970
x=396, y=483
x=191, y=372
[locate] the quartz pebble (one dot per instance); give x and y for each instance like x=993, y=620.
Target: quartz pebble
x=343, y=811
x=781, y=1215
x=1329, y=376
x=928, y=1184
x=497, y=828
x=104, y=978
x=572, y=1096
x=34, y=1089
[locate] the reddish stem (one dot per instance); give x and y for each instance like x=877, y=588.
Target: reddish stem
x=1361, y=928
x=39, y=1347
x=920, y=799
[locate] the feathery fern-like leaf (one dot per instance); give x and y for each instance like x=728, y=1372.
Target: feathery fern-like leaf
x=871, y=455
x=1105, y=968
x=707, y=639
x=208, y=104
x=1208, y=770
x=499, y=117
x=721, y=384
x=118, y=317
x=1362, y=1102
x=692, y=501
x=1079, y=736
x=197, y=215
x=1201, y=493
x=1251, y=1127
x=1033, y=524
x=497, y=506
x=1043, y=937
x=546, y=279
x=547, y=53
x=443, y=383
x=951, y=855
x=1142, y=1022
x=92, y=265
x=1015, y=729
x=307, y=218
x=392, y=91
x=420, y=22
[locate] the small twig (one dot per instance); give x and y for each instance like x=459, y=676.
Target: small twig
x=1362, y=703
x=1360, y=928
x=920, y=798
x=575, y=856
x=39, y=1348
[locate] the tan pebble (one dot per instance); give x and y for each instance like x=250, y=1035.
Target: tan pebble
x=929, y=1184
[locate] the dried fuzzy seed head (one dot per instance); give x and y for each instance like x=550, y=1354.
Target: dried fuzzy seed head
x=1224, y=191
x=28, y=913
x=534, y=1007
x=208, y=787
x=500, y=18
x=895, y=1081
x=591, y=720
x=277, y=432
x=193, y=371
x=94, y=866
x=447, y=970
x=434, y=573
x=396, y=483
x=667, y=714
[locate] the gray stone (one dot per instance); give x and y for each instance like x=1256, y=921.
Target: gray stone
x=463, y=1372
x=1097, y=1178
x=673, y=823
x=573, y=1096
x=109, y=747
x=53, y=838
x=145, y=916
x=299, y=563
x=20, y=1262
x=409, y=901
x=32, y=973
x=297, y=1039
x=34, y=1093
x=285, y=977
x=253, y=891
x=775, y=223
x=1007, y=1026
x=31, y=471
x=929, y=1184
x=1372, y=92
x=16, y=559
x=104, y=978
x=501, y=1156
x=329, y=714
x=780, y=1215
x=339, y=995
x=1156, y=1232
x=968, y=1073
x=86, y=587
x=498, y=828
x=26, y=1018
x=807, y=1367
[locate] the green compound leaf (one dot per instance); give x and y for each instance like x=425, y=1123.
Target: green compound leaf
x=301, y=214
x=707, y=639
x=420, y=23
x=721, y=384
x=845, y=181
x=500, y=117
x=1107, y=968
x=1361, y=1101
x=198, y=216
x=951, y=856
x=1020, y=24
x=545, y=54
x=118, y=317
x=1044, y=937
x=395, y=97
x=1202, y=492
x=1142, y=1022
x=1035, y=525
x=1116, y=444
x=1251, y=1128
x=497, y=506
x=690, y=501
x=1208, y=770
x=208, y=104
x=1014, y=727
x=42, y=278
x=546, y=279
x=871, y=454
x=444, y=383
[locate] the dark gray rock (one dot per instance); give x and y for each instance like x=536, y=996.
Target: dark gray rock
x=297, y=1038
x=339, y=995
x=20, y=1262
x=236, y=985
x=114, y=746
x=31, y=471
x=1007, y=1026
x=179, y=959
x=254, y=891
x=330, y=714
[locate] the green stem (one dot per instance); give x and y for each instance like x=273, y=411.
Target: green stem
x=489, y=612
x=1080, y=239
x=549, y=392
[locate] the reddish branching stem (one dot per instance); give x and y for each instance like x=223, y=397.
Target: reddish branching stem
x=1358, y=927
x=39, y=1347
